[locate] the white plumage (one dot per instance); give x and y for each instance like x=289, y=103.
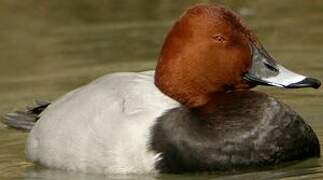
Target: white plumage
x=103, y=127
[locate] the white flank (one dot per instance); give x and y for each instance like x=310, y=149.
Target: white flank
x=103, y=127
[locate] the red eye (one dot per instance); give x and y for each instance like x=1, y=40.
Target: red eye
x=219, y=38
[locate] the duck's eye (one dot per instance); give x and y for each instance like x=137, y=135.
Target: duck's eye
x=218, y=38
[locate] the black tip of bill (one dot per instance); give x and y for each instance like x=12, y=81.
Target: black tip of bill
x=307, y=82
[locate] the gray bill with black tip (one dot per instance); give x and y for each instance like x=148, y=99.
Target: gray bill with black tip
x=265, y=71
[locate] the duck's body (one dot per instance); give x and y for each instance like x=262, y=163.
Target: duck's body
x=193, y=114
x=122, y=123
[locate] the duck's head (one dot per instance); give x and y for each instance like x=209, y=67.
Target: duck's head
x=209, y=50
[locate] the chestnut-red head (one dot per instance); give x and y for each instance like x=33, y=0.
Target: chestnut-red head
x=207, y=51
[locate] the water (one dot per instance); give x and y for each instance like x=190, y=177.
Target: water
x=48, y=48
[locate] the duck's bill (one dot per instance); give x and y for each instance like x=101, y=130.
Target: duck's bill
x=265, y=71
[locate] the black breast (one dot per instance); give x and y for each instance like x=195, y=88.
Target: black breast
x=239, y=130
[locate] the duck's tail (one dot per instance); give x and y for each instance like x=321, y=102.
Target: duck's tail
x=25, y=120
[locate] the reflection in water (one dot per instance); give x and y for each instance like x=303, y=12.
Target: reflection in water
x=306, y=169
x=50, y=47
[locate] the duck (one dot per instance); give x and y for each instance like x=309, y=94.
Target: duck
x=195, y=112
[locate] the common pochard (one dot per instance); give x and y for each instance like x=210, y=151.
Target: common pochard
x=194, y=113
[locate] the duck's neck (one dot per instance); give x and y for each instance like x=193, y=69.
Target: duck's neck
x=183, y=82
x=182, y=88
